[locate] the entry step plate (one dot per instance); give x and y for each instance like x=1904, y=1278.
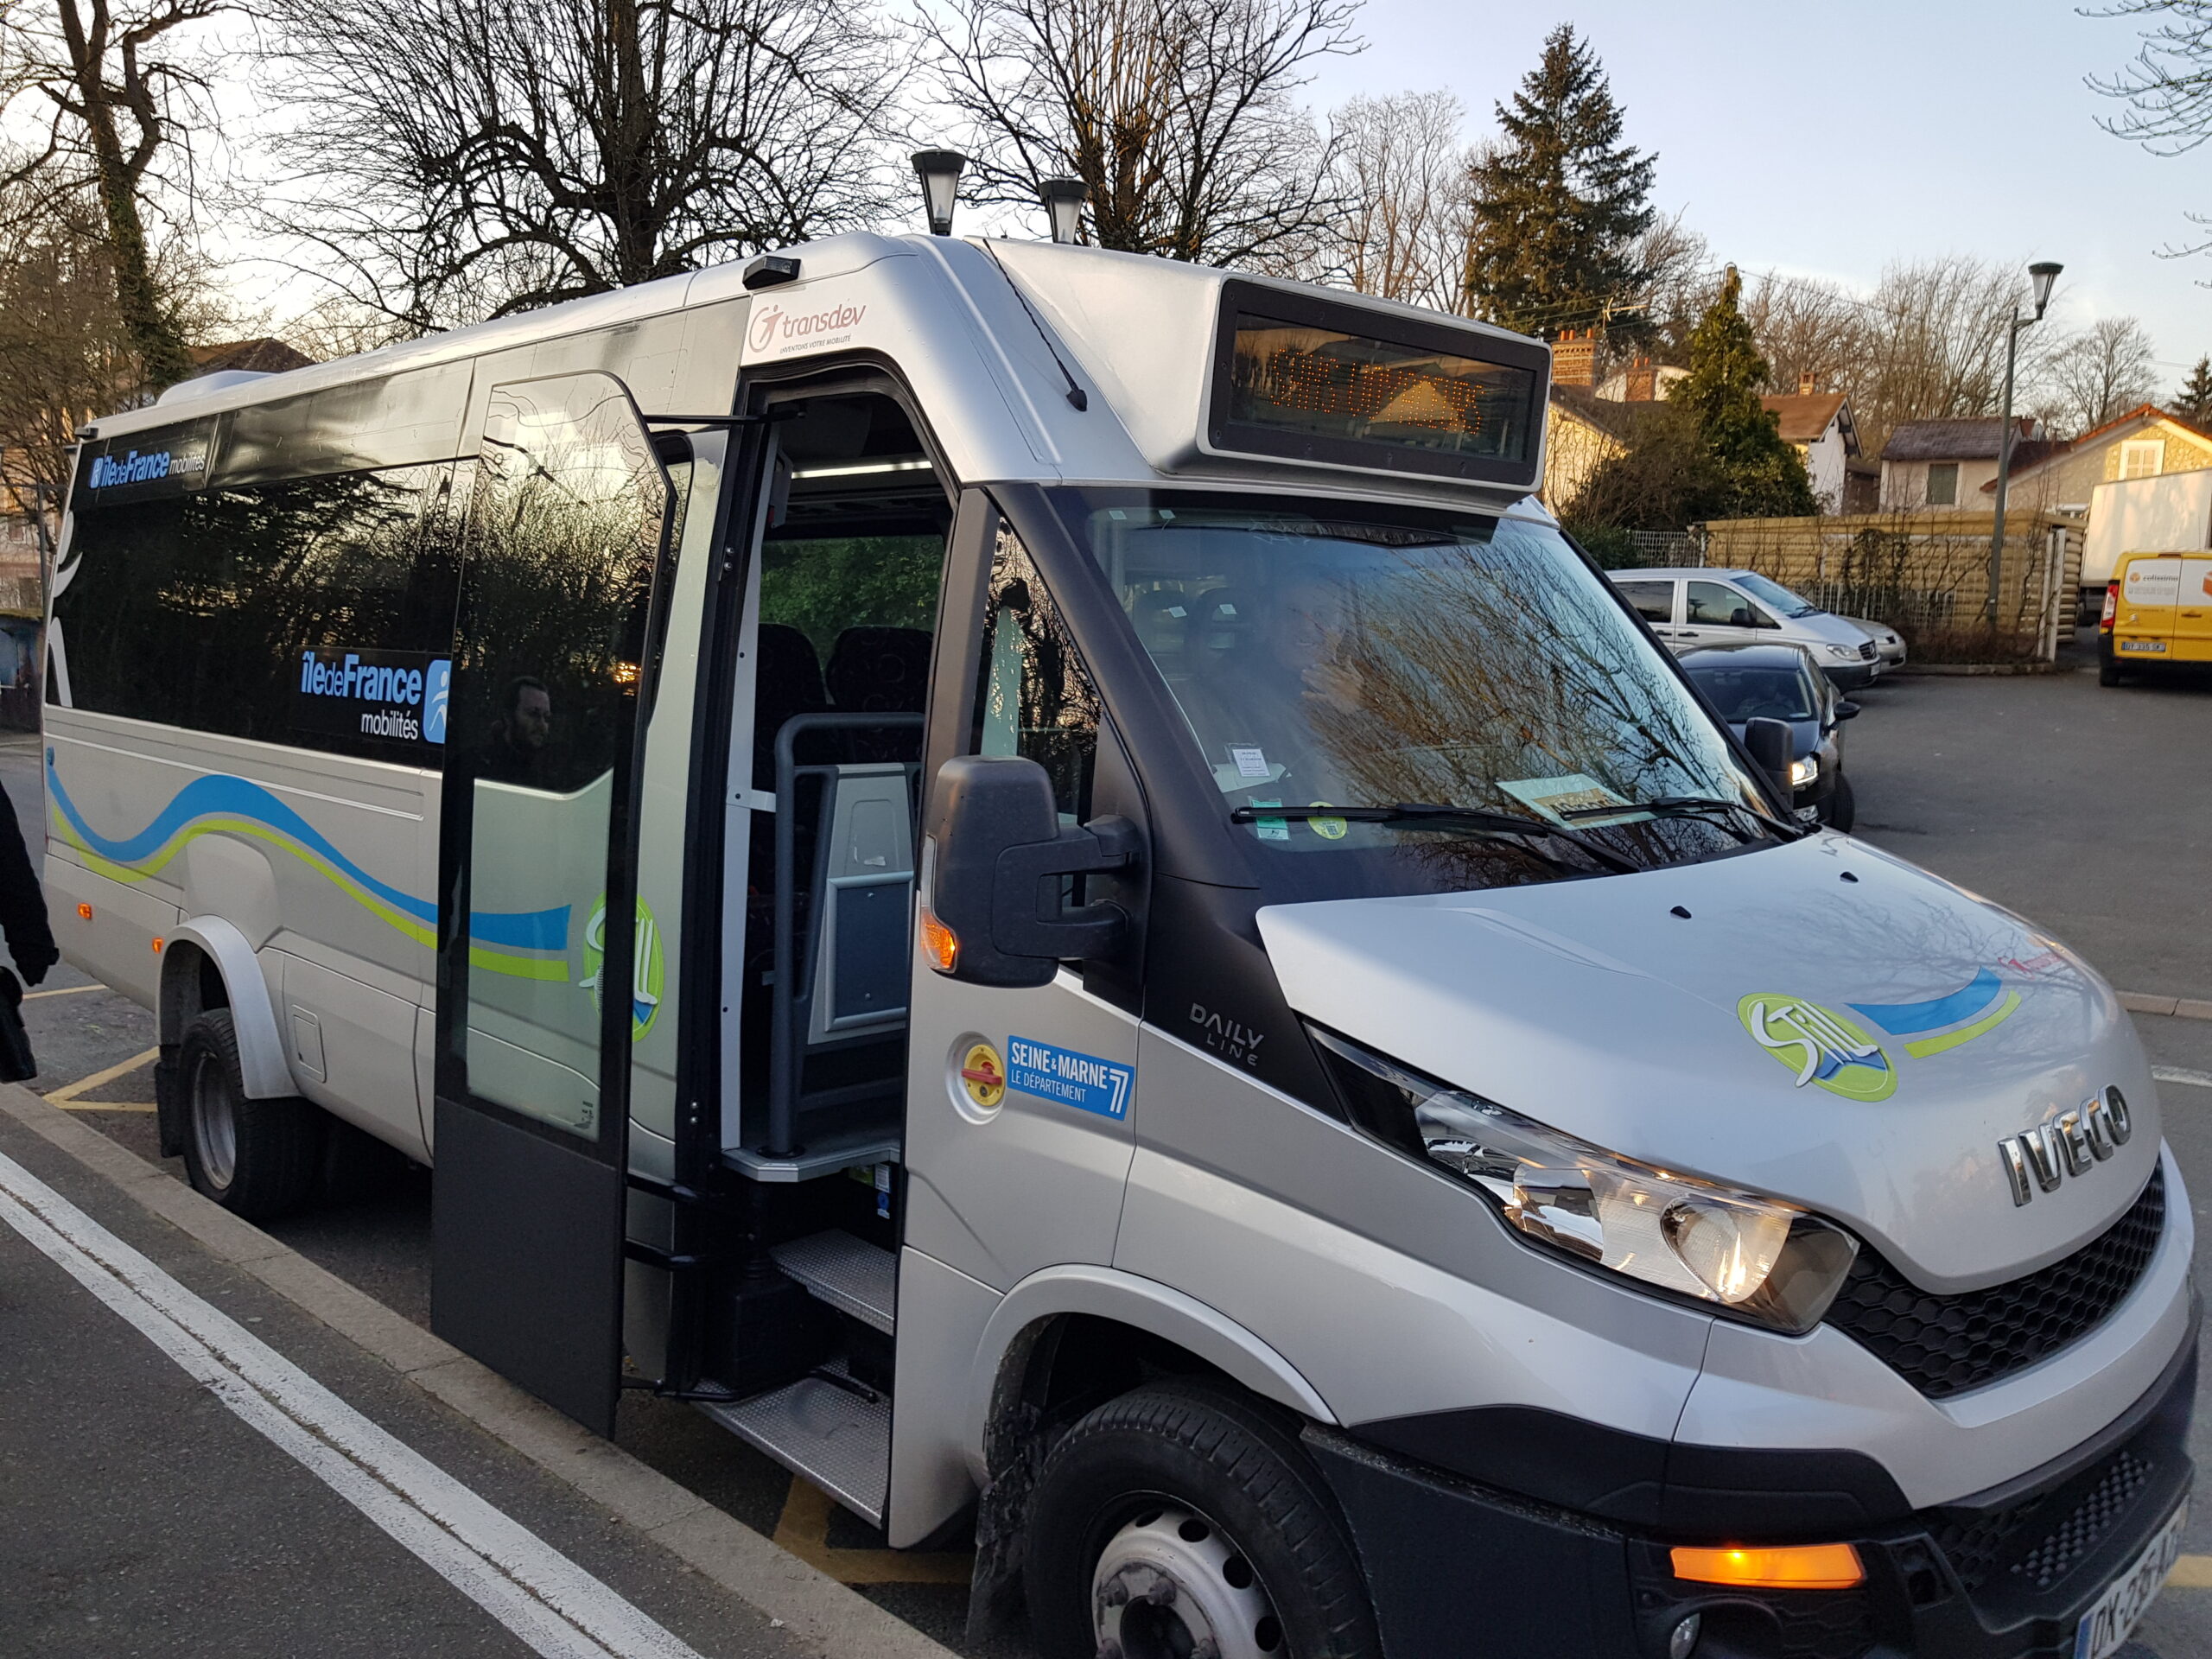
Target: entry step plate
x=830, y=1435
x=850, y=1273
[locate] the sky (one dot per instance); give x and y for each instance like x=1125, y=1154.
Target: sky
x=1829, y=140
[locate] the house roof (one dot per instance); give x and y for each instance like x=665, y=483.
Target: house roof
x=1620, y=422
x=263, y=356
x=2029, y=456
x=1970, y=439
x=1805, y=416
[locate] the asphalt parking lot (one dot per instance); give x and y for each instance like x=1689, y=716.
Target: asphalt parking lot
x=2087, y=808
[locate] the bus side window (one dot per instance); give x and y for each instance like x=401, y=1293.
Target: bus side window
x=1034, y=698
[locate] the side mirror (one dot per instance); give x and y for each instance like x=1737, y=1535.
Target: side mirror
x=993, y=860
x=1846, y=709
x=1771, y=745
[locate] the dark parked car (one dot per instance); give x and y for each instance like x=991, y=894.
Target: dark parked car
x=1748, y=682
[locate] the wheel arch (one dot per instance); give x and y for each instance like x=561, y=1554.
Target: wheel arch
x=207, y=963
x=1047, y=1335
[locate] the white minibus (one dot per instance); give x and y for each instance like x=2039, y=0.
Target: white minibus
x=1032, y=875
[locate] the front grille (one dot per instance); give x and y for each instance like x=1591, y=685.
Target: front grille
x=2054, y=1558
x=1866, y=652
x=1946, y=1345
x=1979, y=1543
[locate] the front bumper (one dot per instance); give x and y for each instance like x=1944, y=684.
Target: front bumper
x=1850, y=677
x=1453, y=1564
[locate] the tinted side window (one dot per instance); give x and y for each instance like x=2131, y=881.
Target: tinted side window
x=1653, y=600
x=1713, y=606
x=1034, y=697
x=211, y=610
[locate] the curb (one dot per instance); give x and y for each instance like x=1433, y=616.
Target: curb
x=2182, y=1007
x=1911, y=670
x=822, y=1613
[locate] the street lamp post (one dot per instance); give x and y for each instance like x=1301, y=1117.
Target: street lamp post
x=2043, y=275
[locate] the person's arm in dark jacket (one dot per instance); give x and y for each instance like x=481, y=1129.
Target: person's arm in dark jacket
x=23, y=904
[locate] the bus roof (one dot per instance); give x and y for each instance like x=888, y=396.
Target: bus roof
x=1000, y=342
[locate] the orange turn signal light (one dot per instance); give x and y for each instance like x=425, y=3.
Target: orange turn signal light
x=939, y=944
x=1794, y=1566
x=85, y=911
x=157, y=944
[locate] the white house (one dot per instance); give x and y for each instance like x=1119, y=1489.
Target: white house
x=1818, y=425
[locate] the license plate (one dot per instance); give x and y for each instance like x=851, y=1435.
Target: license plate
x=2104, y=1630
x=2142, y=645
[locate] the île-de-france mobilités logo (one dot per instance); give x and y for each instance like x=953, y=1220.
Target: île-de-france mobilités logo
x=1819, y=1044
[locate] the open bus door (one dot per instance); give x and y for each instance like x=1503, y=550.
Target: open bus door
x=566, y=529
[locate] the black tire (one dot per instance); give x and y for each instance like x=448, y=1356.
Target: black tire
x=1232, y=1464
x=258, y=1158
x=2107, y=669
x=1843, y=806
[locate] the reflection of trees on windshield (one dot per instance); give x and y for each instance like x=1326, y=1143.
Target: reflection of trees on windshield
x=1464, y=667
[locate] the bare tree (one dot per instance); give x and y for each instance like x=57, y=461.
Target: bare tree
x=2168, y=86
x=1176, y=114
x=67, y=355
x=1807, y=326
x=2098, y=374
x=1400, y=180
x=456, y=158
x=116, y=105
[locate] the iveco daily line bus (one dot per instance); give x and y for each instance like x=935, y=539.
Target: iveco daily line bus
x=1032, y=875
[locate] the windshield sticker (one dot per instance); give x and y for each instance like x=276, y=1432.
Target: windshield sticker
x=1327, y=829
x=1556, y=797
x=1250, y=762
x=1083, y=1081
x=1271, y=828
x=1820, y=1045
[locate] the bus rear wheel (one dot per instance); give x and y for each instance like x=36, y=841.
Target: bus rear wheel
x=1180, y=1520
x=257, y=1159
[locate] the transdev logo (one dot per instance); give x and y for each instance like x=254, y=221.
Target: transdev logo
x=437, y=692
x=774, y=325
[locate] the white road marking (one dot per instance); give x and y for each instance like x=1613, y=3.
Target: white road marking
x=547, y=1600
x=2181, y=1074
x=66, y=990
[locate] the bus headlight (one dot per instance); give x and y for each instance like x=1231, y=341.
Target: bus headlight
x=1754, y=1257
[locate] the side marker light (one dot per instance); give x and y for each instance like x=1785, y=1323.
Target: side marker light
x=157, y=944
x=85, y=911
x=939, y=944
x=1795, y=1566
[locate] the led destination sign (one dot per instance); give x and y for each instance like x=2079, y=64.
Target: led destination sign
x=389, y=696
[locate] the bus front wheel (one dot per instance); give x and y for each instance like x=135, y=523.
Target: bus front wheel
x=256, y=1158
x=1179, y=1519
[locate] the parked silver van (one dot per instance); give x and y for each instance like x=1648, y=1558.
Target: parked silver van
x=1025, y=873
x=1690, y=608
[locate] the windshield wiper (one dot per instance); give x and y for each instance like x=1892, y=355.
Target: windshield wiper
x=1690, y=806
x=1473, y=819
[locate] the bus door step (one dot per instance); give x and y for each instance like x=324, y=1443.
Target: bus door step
x=838, y=1437
x=850, y=1273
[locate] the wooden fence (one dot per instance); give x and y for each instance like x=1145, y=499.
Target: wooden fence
x=1925, y=574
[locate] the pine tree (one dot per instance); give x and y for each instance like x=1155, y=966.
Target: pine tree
x=1559, y=204
x=1757, y=475
x=2193, y=403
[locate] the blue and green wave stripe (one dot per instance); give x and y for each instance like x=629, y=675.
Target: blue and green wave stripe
x=219, y=803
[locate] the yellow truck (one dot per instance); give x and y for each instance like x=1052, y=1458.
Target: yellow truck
x=2157, y=612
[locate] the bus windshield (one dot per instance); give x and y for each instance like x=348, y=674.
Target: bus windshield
x=1370, y=655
